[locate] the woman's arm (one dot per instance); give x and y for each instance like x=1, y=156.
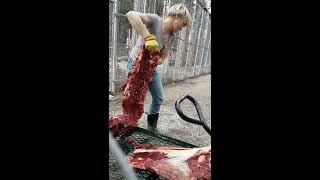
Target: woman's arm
x=138, y=21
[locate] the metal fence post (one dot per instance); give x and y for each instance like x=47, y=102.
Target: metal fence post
x=185, y=67
x=165, y=66
x=207, y=57
x=110, y=44
x=197, y=45
x=204, y=48
x=144, y=6
x=115, y=48
x=175, y=60
x=188, y=52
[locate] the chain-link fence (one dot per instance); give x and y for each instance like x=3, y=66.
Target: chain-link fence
x=190, y=55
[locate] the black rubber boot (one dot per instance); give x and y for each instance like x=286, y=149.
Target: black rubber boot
x=152, y=122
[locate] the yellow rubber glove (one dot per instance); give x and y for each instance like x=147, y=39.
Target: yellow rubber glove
x=152, y=44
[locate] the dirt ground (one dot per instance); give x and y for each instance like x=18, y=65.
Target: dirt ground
x=170, y=124
x=169, y=121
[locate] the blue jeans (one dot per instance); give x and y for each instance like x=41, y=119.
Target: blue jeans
x=155, y=88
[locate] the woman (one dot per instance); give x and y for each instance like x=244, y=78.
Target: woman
x=156, y=34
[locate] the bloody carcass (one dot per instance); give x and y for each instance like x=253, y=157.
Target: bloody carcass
x=173, y=163
x=135, y=90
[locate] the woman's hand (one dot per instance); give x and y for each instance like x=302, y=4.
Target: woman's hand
x=163, y=55
x=152, y=44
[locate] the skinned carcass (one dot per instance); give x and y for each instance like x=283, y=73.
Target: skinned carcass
x=173, y=163
x=135, y=91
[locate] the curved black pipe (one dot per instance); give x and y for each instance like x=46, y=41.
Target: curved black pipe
x=201, y=120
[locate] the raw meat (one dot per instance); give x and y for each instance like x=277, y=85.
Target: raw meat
x=173, y=163
x=130, y=140
x=135, y=90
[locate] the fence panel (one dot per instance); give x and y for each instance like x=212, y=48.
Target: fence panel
x=189, y=56
x=111, y=47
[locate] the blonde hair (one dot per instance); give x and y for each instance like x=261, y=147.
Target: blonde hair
x=180, y=10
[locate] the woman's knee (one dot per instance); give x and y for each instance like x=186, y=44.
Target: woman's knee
x=158, y=100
